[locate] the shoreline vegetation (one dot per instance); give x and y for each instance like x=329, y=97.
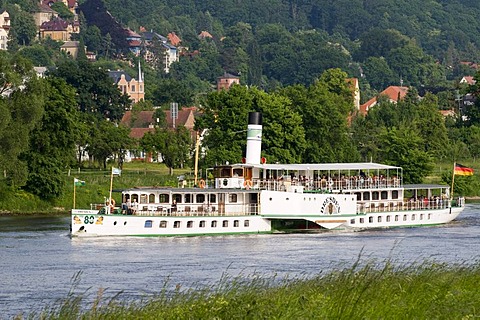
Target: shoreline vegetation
x=427, y=290
x=97, y=185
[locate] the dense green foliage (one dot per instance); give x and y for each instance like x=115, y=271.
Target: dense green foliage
x=426, y=291
x=294, y=58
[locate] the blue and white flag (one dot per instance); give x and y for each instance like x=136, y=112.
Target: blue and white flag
x=116, y=171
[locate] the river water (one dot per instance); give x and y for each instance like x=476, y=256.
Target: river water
x=38, y=259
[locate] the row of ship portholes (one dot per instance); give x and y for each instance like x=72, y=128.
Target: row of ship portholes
x=413, y=217
x=201, y=224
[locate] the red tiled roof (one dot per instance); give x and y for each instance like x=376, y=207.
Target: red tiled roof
x=174, y=39
x=138, y=133
x=143, y=119
x=468, y=80
x=205, y=34
x=183, y=116
x=57, y=24
x=394, y=93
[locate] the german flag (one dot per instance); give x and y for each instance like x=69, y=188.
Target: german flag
x=461, y=170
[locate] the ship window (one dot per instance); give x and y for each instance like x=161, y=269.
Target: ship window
x=148, y=224
x=236, y=223
x=384, y=195
x=176, y=224
x=395, y=194
x=352, y=221
x=379, y=219
x=202, y=224
x=200, y=198
x=163, y=198
x=188, y=198
x=366, y=196
x=396, y=217
x=429, y=216
x=134, y=198
x=370, y=219
x=375, y=195
x=413, y=217
x=359, y=196
x=214, y=223
x=213, y=198
x=232, y=197
x=127, y=196
x=404, y=217
x=225, y=223
x=177, y=197
x=388, y=218
x=143, y=198
x=421, y=216
x=225, y=172
x=163, y=224
x=190, y=224
x=362, y=220
x=151, y=198
x=246, y=223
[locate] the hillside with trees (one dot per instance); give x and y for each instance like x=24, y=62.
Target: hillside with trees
x=293, y=58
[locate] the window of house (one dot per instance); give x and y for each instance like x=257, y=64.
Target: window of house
x=133, y=88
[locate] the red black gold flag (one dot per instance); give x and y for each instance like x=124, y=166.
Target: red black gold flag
x=461, y=170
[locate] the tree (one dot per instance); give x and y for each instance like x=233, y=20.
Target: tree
x=403, y=147
x=23, y=29
x=21, y=107
x=173, y=145
x=225, y=116
x=52, y=142
x=109, y=141
x=96, y=92
x=325, y=107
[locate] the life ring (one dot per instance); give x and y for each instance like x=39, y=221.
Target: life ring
x=202, y=183
x=248, y=184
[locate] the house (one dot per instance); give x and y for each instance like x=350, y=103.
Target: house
x=72, y=48
x=393, y=93
x=205, y=35
x=43, y=14
x=170, y=52
x=144, y=121
x=134, y=88
x=59, y=29
x=467, y=80
x=226, y=81
x=4, y=29
x=70, y=4
x=174, y=39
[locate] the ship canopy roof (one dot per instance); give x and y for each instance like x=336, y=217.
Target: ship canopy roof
x=358, y=166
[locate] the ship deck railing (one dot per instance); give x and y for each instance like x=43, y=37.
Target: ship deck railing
x=408, y=205
x=323, y=185
x=184, y=210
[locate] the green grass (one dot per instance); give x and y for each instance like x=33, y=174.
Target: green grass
x=419, y=291
x=96, y=189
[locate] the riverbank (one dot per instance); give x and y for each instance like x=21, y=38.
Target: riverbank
x=425, y=291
